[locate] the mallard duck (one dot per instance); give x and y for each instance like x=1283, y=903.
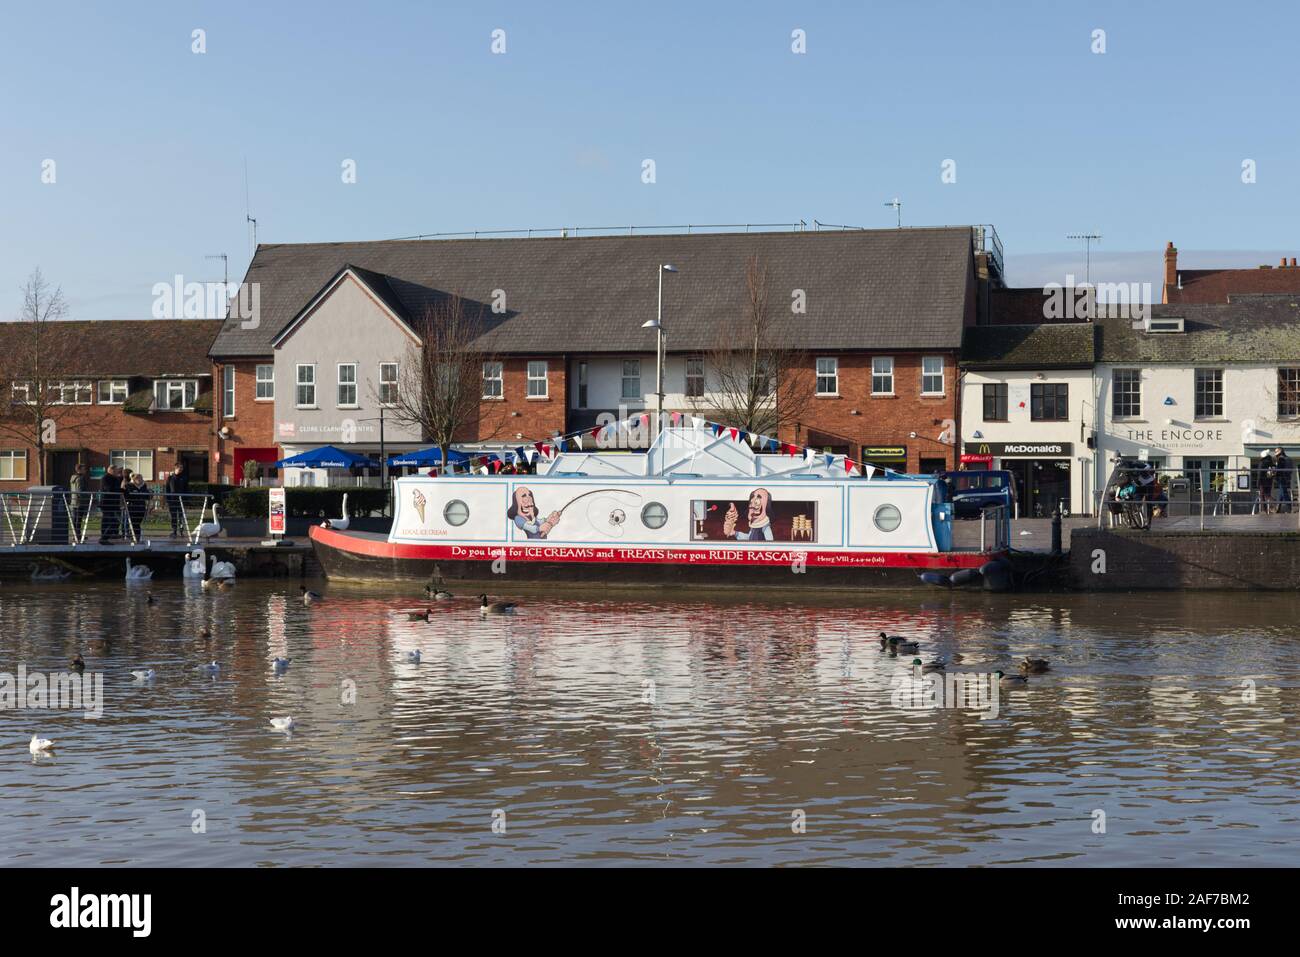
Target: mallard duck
x=1035, y=666
x=437, y=594
x=309, y=596
x=77, y=662
x=937, y=665
x=205, y=633
x=495, y=607
x=419, y=615
x=1011, y=681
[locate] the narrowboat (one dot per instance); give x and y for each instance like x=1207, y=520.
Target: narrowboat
x=696, y=508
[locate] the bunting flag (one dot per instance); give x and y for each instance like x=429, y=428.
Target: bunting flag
x=754, y=440
x=675, y=418
x=735, y=434
x=577, y=440
x=595, y=433
x=531, y=454
x=645, y=419
x=830, y=459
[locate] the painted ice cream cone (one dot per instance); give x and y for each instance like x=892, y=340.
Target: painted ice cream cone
x=418, y=500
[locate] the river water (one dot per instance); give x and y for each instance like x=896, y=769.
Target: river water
x=650, y=727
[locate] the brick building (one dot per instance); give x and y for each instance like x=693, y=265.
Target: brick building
x=1209, y=286
x=132, y=393
x=881, y=328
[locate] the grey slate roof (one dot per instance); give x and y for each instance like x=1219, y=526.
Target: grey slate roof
x=866, y=289
x=1264, y=329
x=1042, y=346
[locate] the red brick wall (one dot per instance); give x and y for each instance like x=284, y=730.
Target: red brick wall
x=884, y=420
x=253, y=425
x=516, y=413
x=96, y=430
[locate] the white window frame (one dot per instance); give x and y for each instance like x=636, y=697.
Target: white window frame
x=1220, y=390
x=1115, y=393
x=227, y=392
x=494, y=381
x=13, y=456
x=62, y=388
x=633, y=377
x=131, y=458
x=828, y=367
x=889, y=374
x=930, y=375
x=387, y=386
x=269, y=382
x=23, y=388
x=162, y=402
x=698, y=391
x=533, y=379
x=299, y=385
x=113, y=390
x=340, y=385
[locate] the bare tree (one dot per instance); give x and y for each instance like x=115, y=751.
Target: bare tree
x=39, y=365
x=755, y=380
x=440, y=384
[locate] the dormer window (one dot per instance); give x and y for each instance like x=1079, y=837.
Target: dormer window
x=175, y=395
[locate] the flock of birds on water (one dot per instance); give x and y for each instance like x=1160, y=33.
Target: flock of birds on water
x=220, y=576
x=894, y=645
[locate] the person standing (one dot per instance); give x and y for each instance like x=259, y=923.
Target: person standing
x=1283, y=467
x=178, y=484
x=1266, y=474
x=110, y=505
x=137, y=500
x=77, y=485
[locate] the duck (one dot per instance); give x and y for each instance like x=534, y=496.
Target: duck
x=138, y=573
x=339, y=524
x=283, y=724
x=212, y=668
x=280, y=665
x=495, y=607
x=147, y=675
x=309, y=596
x=1011, y=681
x=50, y=573
x=413, y=657
x=196, y=563
x=436, y=593
x=207, y=530
x=1035, y=666
x=205, y=633
x=150, y=600
x=419, y=615
x=919, y=667
x=896, y=644
x=221, y=569
x=77, y=663
x=40, y=745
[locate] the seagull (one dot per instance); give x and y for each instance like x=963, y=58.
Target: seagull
x=413, y=657
x=280, y=665
x=146, y=675
x=308, y=596
x=282, y=724
x=210, y=669
x=40, y=745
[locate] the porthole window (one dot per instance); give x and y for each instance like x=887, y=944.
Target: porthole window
x=456, y=512
x=654, y=515
x=887, y=518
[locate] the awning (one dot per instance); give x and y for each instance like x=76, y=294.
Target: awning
x=325, y=457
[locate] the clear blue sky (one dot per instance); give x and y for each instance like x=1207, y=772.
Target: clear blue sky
x=1143, y=144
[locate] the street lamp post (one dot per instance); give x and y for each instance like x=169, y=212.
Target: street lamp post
x=657, y=324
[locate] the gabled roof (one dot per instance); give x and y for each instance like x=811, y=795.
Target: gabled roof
x=150, y=348
x=1040, y=346
x=865, y=289
x=1261, y=329
x=377, y=284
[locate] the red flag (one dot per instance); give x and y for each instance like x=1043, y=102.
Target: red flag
x=595, y=433
x=735, y=434
x=645, y=418
x=538, y=446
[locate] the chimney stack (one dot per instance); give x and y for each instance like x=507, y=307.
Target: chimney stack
x=1171, y=271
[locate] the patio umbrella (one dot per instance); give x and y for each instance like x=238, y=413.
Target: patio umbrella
x=325, y=457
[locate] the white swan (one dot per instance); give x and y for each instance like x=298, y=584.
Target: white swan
x=50, y=573
x=196, y=563
x=138, y=573
x=207, y=530
x=222, y=569
x=282, y=724
x=40, y=745
x=147, y=675
x=339, y=524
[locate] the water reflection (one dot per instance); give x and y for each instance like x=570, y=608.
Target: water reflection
x=650, y=728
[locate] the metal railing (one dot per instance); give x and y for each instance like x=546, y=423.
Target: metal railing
x=1221, y=498
x=78, y=518
x=997, y=517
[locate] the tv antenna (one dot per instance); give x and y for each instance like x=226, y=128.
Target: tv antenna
x=1088, y=239
x=247, y=217
x=898, y=208
x=225, y=267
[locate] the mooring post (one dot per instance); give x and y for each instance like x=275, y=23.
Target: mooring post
x=1056, y=529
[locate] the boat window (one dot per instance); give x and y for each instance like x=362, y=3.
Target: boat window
x=456, y=512
x=887, y=518
x=654, y=515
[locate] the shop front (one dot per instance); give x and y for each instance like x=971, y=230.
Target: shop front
x=892, y=457
x=1043, y=473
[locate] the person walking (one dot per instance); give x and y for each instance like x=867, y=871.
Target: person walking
x=110, y=505
x=178, y=484
x=77, y=485
x=137, y=499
